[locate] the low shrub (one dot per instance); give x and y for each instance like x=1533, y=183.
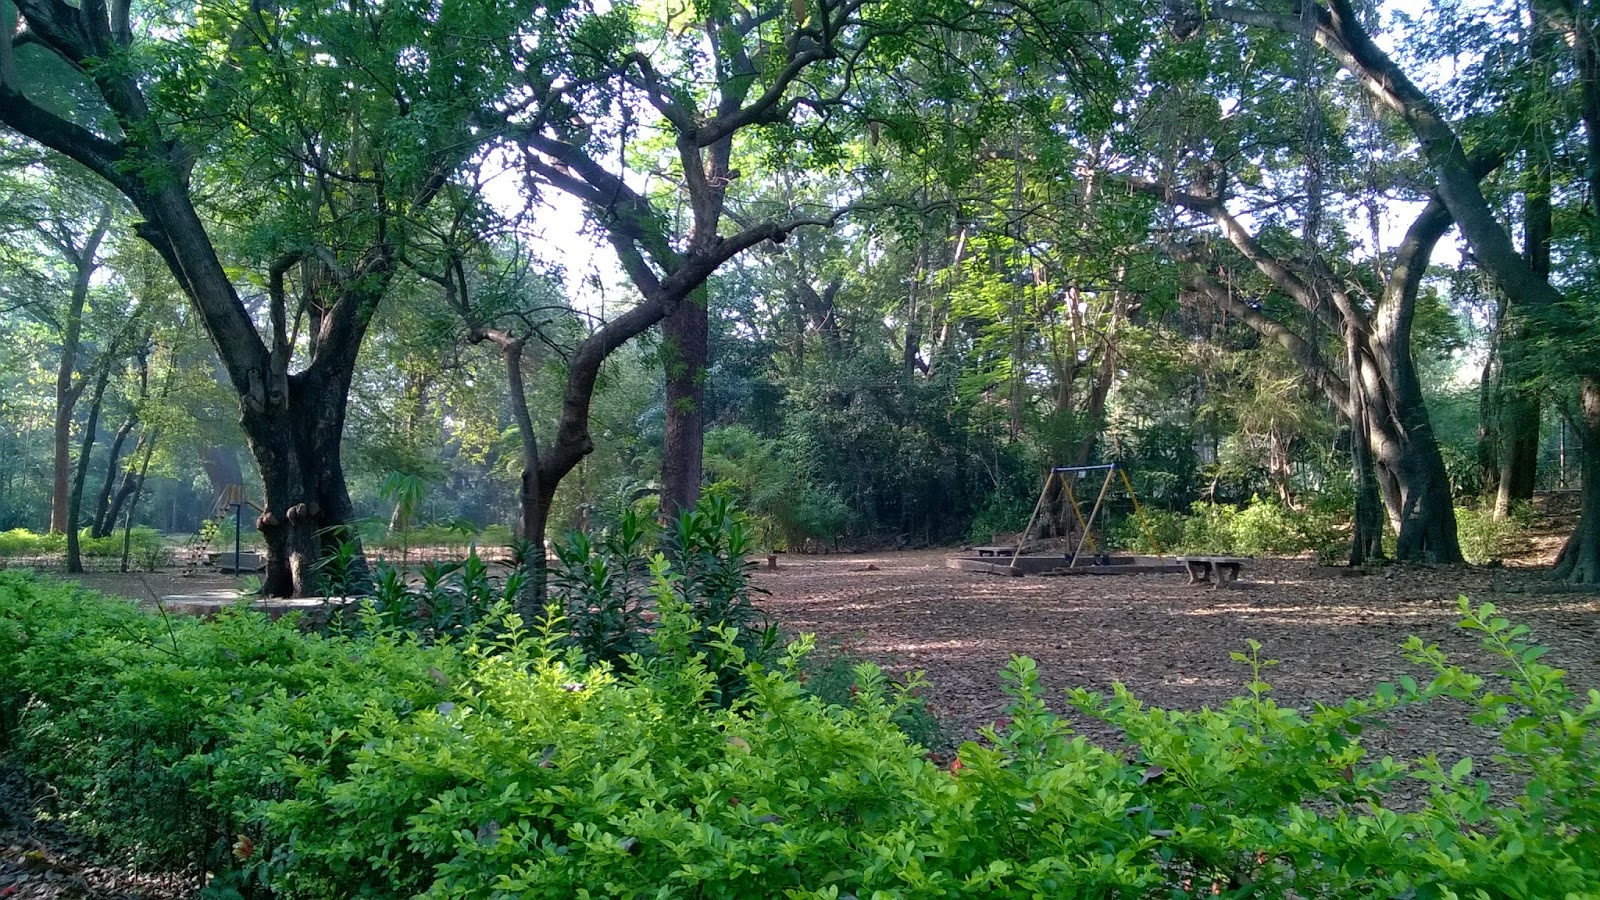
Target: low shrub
x=1150, y=530
x=833, y=673
x=1485, y=539
x=605, y=589
x=1262, y=528
x=144, y=544
x=499, y=765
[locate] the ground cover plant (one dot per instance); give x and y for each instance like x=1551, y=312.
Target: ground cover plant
x=378, y=764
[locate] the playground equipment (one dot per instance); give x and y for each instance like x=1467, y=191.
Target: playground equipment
x=1081, y=527
x=230, y=499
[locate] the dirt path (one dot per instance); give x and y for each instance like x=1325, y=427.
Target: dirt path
x=1334, y=636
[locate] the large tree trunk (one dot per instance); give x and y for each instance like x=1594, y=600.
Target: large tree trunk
x=1407, y=450
x=297, y=449
x=684, y=356
x=1519, y=401
x=1366, y=526
x=68, y=390
x=1519, y=450
x=1579, y=561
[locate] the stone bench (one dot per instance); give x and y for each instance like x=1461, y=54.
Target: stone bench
x=1220, y=571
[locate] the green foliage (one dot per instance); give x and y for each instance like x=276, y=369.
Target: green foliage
x=1263, y=528
x=377, y=765
x=1150, y=530
x=145, y=545
x=1485, y=539
x=833, y=674
x=608, y=591
x=602, y=586
x=1003, y=513
x=450, y=601
x=449, y=533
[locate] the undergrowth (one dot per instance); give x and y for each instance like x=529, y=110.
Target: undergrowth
x=497, y=762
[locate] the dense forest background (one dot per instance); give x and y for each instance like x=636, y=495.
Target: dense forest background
x=868, y=268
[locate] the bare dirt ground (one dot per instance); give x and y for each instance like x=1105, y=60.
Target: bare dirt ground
x=1334, y=637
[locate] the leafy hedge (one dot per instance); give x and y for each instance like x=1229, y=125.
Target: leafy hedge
x=375, y=765
x=24, y=543
x=1264, y=527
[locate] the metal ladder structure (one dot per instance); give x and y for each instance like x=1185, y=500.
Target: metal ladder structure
x=197, y=550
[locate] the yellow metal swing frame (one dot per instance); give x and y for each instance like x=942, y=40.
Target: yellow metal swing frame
x=1066, y=475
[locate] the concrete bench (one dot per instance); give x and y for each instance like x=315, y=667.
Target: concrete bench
x=1220, y=571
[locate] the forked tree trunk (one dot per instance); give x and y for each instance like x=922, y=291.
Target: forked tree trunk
x=102, y=508
x=130, y=483
x=1378, y=391
x=535, y=492
x=69, y=387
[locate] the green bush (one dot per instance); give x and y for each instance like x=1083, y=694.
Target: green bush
x=22, y=542
x=380, y=766
x=1485, y=539
x=1150, y=530
x=1263, y=528
x=144, y=544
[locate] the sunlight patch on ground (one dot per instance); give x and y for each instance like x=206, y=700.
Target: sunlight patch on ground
x=924, y=647
x=1324, y=614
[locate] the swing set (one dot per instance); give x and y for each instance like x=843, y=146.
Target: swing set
x=1086, y=557
x=1064, y=476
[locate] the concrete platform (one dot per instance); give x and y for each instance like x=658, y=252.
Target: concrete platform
x=209, y=603
x=1057, y=565
x=247, y=561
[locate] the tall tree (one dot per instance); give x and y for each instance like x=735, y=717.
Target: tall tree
x=334, y=123
x=1337, y=28
x=718, y=81
x=58, y=229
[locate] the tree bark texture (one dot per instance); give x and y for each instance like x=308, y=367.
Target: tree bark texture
x=1519, y=406
x=296, y=446
x=684, y=350
x=1579, y=560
